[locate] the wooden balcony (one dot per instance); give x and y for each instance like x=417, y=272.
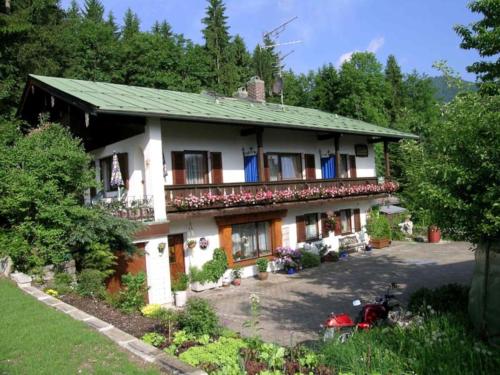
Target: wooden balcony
x=216, y=196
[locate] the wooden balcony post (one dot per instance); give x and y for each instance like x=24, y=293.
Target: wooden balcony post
x=337, y=155
x=260, y=154
x=386, y=159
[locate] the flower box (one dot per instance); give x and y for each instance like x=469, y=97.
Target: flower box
x=199, y=287
x=380, y=243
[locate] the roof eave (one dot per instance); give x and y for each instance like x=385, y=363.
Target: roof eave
x=252, y=123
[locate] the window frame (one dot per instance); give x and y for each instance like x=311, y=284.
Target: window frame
x=280, y=165
x=269, y=239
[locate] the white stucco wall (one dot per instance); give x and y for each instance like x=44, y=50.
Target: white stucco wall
x=227, y=140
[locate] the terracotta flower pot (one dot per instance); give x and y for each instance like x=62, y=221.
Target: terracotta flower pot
x=433, y=234
x=263, y=275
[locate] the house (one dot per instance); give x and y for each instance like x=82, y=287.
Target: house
x=236, y=173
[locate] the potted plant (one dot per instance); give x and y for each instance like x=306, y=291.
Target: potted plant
x=289, y=258
x=191, y=244
x=236, y=275
x=209, y=276
x=179, y=287
x=379, y=229
x=262, y=268
x=433, y=234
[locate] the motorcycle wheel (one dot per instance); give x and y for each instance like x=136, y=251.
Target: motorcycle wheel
x=328, y=334
x=343, y=337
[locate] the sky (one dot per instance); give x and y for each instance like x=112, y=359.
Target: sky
x=417, y=32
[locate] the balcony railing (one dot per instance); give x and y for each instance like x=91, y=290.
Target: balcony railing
x=131, y=208
x=207, y=196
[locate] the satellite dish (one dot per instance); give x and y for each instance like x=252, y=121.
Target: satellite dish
x=278, y=85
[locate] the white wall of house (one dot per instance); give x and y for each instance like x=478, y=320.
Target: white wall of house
x=227, y=140
x=207, y=227
x=158, y=272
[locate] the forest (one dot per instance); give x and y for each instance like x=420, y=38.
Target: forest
x=86, y=42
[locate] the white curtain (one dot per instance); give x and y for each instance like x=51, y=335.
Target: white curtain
x=290, y=167
x=195, y=168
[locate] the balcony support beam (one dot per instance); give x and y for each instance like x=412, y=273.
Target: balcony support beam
x=260, y=154
x=337, y=155
x=387, y=161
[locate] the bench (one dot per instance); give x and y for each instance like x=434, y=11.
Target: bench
x=351, y=243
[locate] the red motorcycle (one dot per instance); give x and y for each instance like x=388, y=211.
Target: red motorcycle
x=386, y=308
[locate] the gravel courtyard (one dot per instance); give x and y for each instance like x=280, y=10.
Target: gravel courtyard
x=294, y=306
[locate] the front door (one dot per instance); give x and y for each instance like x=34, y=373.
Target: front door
x=176, y=255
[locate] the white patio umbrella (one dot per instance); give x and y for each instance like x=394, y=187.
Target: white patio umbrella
x=116, y=175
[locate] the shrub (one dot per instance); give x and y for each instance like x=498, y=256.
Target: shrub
x=151, y=310
x=262, y=264
x=310, y=260
x=154, y=339
x=221, y=356
x=181, y=283
x=212, y=270
x=378, y=226
x=447, y=298
x=99, y=257
x=91, y=283
x=132, y=295
x=199, y=318
x=439, y=345
x=62, y=282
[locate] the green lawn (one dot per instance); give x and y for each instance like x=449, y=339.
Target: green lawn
x=36, y=339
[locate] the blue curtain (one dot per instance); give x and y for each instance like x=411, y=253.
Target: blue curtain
x=251, y=171
x=328, y=167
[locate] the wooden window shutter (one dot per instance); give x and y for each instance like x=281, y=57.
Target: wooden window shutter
x=338, y=226
x=123, y=161
x=216, y=162
x=178, y=174
x=357, y=220
x=301, y=228
x=352, y=166
x=325, y=232
x=310, y=166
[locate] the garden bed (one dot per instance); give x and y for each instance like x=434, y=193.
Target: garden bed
x=133, y=323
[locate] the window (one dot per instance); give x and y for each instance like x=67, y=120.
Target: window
x=196, y=167
x=344, y=166
x=311, y=225
x=345, y=221
x=251, y=240
x=284, y=167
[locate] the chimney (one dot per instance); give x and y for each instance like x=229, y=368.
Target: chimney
x=256, y=90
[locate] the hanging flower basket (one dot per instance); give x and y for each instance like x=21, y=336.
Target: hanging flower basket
x=191, y=244
x=203, y=243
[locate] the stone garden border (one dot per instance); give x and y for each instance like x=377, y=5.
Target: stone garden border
x=171, y=364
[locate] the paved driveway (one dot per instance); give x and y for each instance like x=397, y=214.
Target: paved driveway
x=294, y=306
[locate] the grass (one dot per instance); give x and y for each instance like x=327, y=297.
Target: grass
x=441, y=344
x=36, y=339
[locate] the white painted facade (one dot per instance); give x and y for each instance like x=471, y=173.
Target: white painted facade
x=148, y=152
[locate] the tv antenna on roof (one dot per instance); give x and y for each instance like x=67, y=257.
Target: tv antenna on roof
x=273, y=35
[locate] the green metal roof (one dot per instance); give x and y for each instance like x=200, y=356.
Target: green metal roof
x=133, y=100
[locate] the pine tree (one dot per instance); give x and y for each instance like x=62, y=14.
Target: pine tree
x=265, y=63
x=325, y=93
x=111, y=22
x=93, y=10
x=131, y=24
x=216, y=33
x=241, y=59
x=394, y=78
